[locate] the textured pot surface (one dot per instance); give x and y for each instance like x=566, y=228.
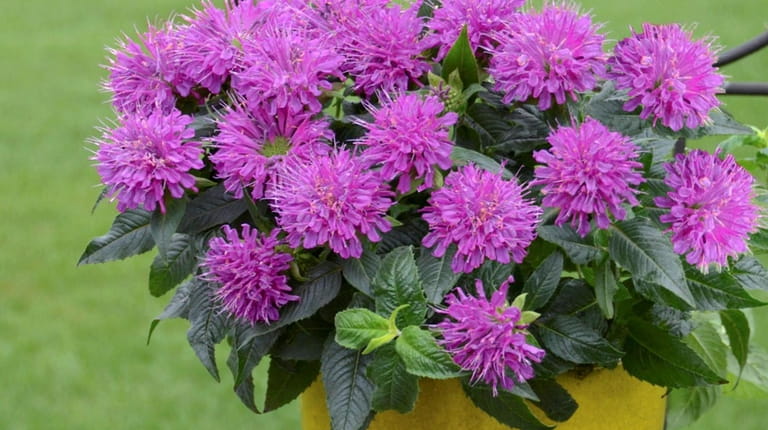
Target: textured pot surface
x=608, y=400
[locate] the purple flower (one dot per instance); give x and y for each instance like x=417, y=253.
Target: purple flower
x=383, y=47
x=251, y=144
x=484, y=215
x=588, y=172
x=483, y=18
x=145, y=157
x=287, y=68
x=409, y=137
x=555, y=53
x=143, y=75
x=330, y=199
x=250, y=272
x=488, y=338
x=671, y=76
x=710, y=207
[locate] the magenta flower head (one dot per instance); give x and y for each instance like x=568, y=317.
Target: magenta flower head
x=330, y=199
x=250, y=272
x=668, y=74
x=143, y=74
x=588, y=173
x=251, y=144
x=552, y=54
x=485, y=216
x=710, y=207
x=383, y=47
x=287, y=68
x=483, y=18
x=408, y=138
x=213, y=39
x=146, y=157
x=488, y=338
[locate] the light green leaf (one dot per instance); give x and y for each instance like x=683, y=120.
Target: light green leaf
x=423, y=357
x=737, y=328
x=356, y=328
x=461, y=58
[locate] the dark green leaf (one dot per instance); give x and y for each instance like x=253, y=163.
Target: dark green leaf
x=506, y=408
x=542, y=283
x=348, y=390
x=660, y=295
x=178, y=307
x=247, y=352
x=395, y=388
x=750, y=273
x=654, y=355
x=462, y=156
x=605, y=288
x=406, y=235
x=461, y=58
x=554, y=400
x=608, y=108
x=643, y=249
x=398, y=283
x=717, y=291
x=128, y=236
x=288, y=379
x=211, y=208
x=758, y=242
x=493, y=273
x=303, y=340
x=721, y=124
x=355, y=328
x=163, y=225
x=423, y=357
x=359, y=272
x=737, y=328
x=521, y=130
x=177, y=264
x=208, y=325
x=577, y=249
x=437, y=277
x=569, y=338
x=686, y=405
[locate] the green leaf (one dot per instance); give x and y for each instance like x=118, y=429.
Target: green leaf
x=359, y=272
x=542, y=283
x=643, y=249
x=605, y=288
x=686, y=405
x=462, y=156
x=177, y=264
x=163, y=225
x=493, y=273
x=208, y=325
x=737, y=328
x=461, y=58
x=287, y=380
x=406, y=235
x=608, y=107
x=521, y=130
x=554, y=400
x=247, y=352
x=569, y=338
x=660, y=295
x=211, y=208
x=506, y=408
x=398, y=283
x=753, y=380
x=396, y=389
x=750, y=273
x=758, y=242
x=718, y=291
x=654, y=355
x=577, y=249
x=707, y=343
x=356, y=328
x=178, y=307
x=721, y=124
x=349, y=392
x=437, y=277
x=423, y=357
x=128, y=236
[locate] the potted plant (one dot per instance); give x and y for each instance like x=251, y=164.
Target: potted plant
x=379, y=195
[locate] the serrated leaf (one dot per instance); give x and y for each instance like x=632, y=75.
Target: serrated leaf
x=520, y=130
x=246, y=353
x=208, y=325
x=462, y=156
x=707, y=343
x=129, y=235
x=493, y=273
x=409, y=234
x=686, y=405
x=569, y=338
x=645, y=252
x=359, y=272
x=436, y=274
x=163, y=225
x=506, y=408
x=750, y=273
x=348, y=390
x=178, y=307
x=287, y=380
x=718, y=291
x=177, y=264
x=653, y=355
x=396, y=389
x=423, y=357
x=605, y=288
x=398, y=283
x=577, y=249
x=542, y=283
x=356, y=328
x=737, y=328
x=554, y=400
x=461, y=58
x=658, y=294
x=211, y=208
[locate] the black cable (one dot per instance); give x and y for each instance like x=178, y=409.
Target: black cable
x=743, y=50
x=747, y=88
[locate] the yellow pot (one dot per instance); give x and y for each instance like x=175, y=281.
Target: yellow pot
x=608, y=400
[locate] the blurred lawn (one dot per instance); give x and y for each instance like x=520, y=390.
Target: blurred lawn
x=72, y=340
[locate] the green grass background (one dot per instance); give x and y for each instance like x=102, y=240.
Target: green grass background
x=72, y=339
